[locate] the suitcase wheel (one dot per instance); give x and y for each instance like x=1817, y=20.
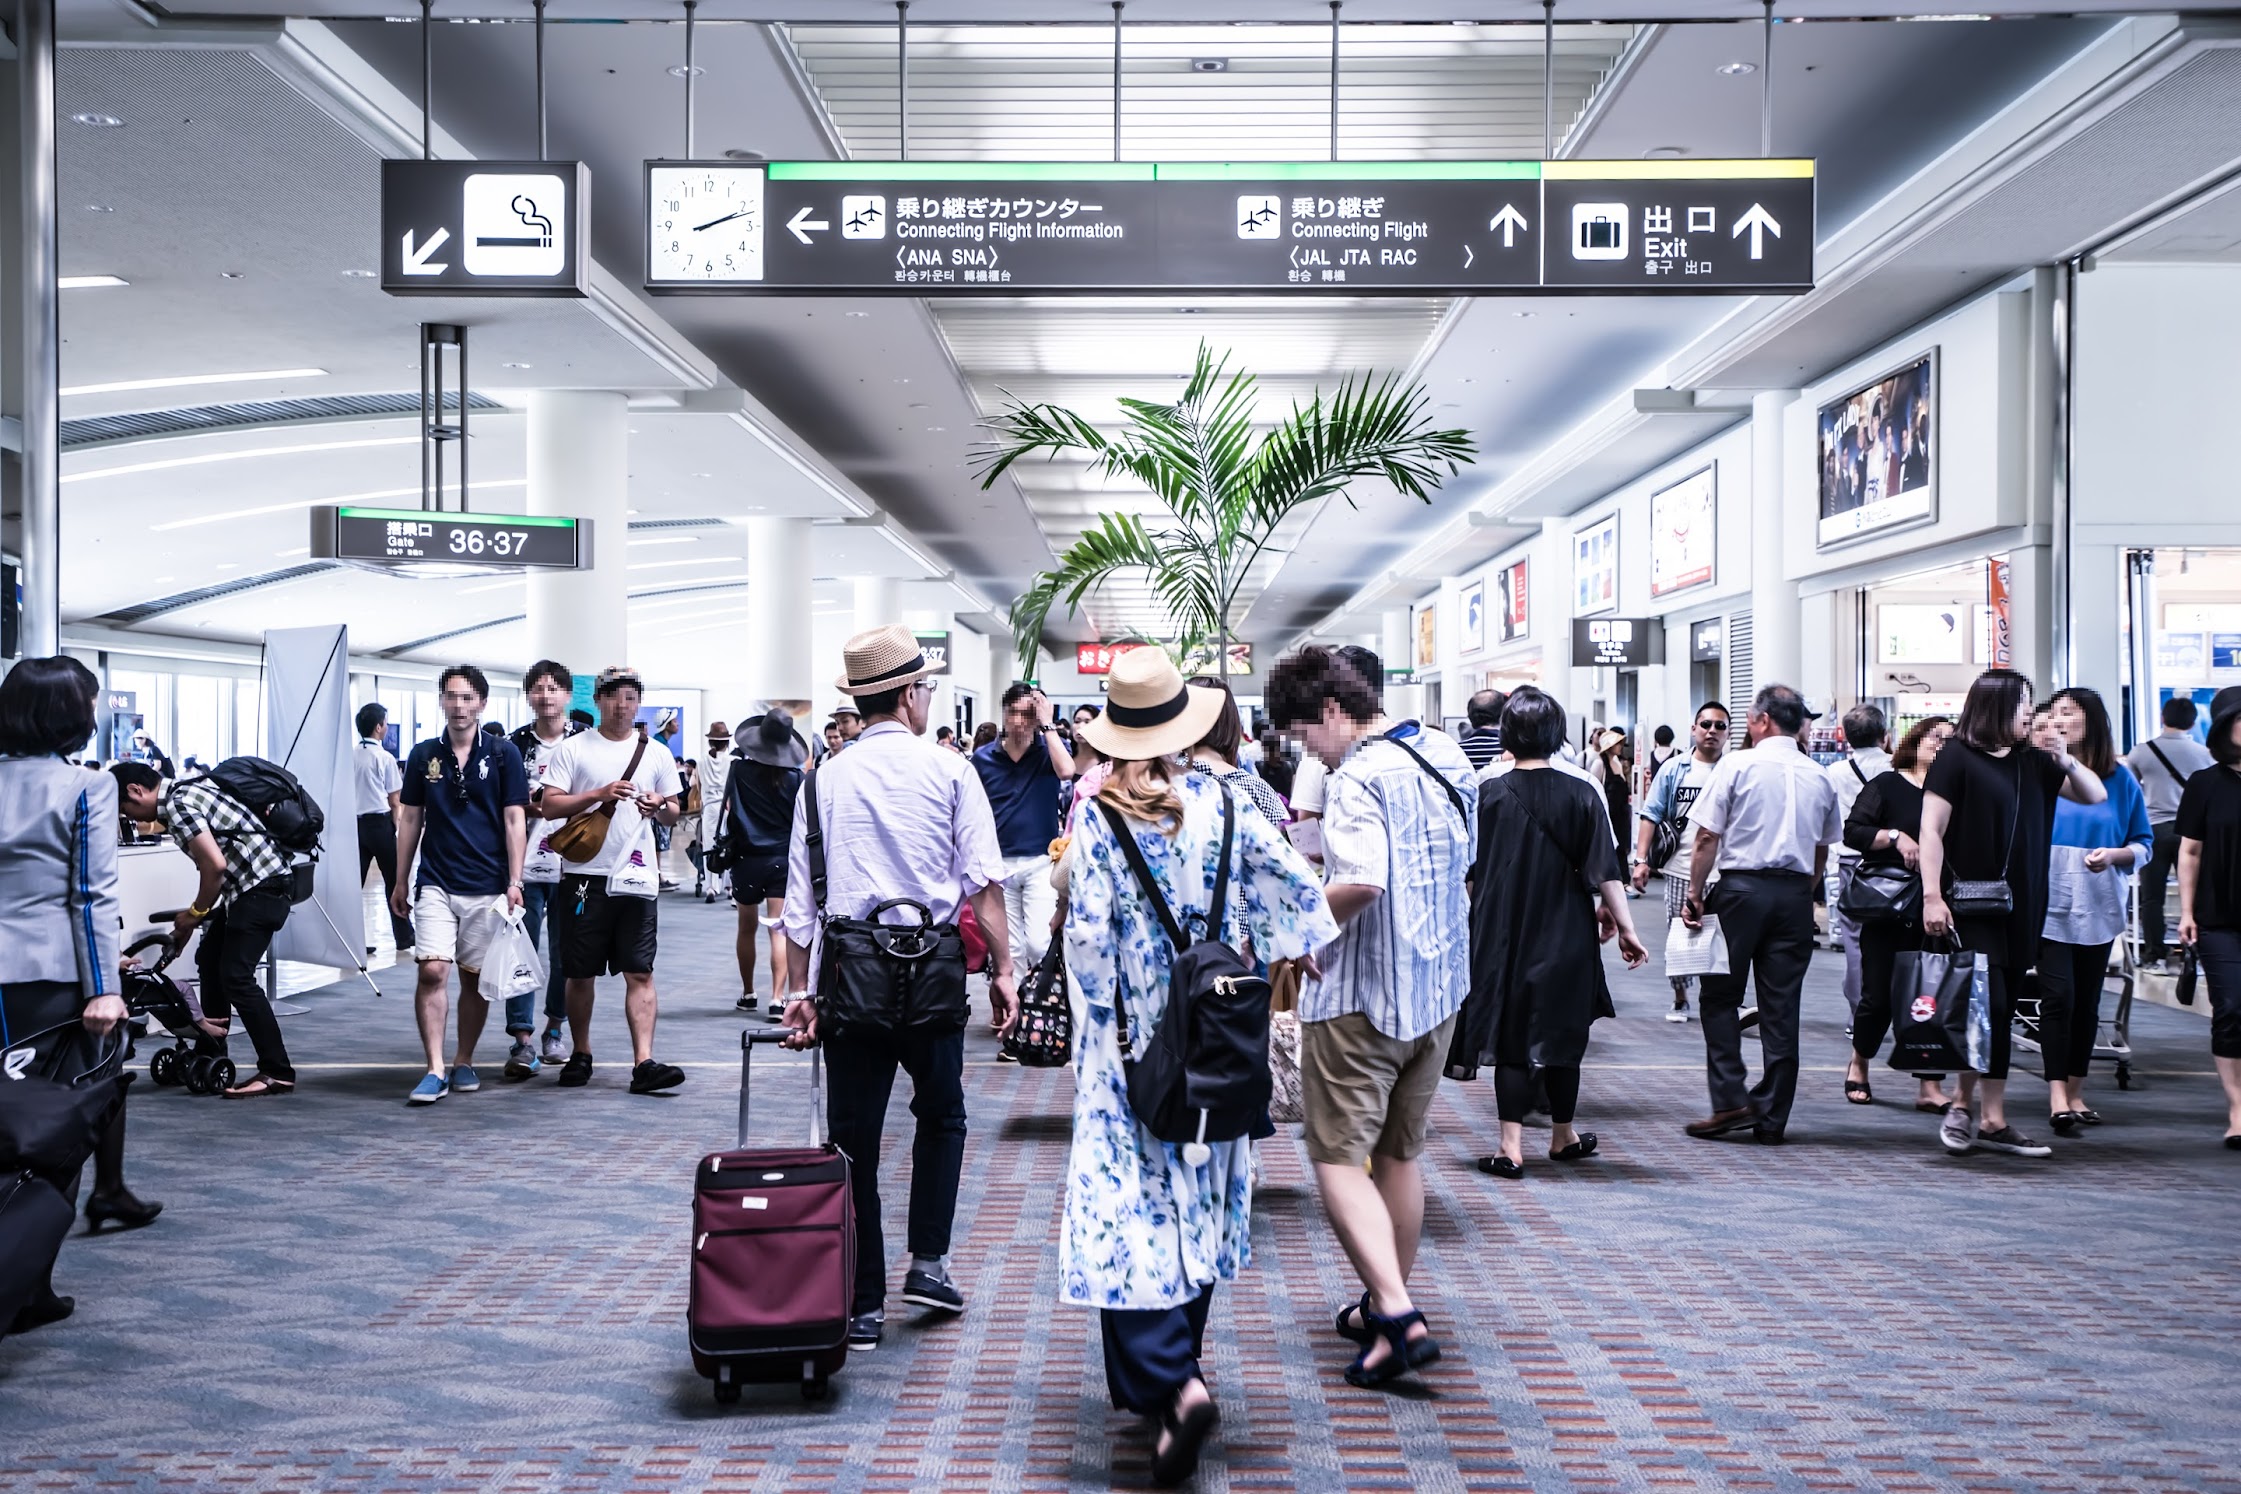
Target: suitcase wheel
x=817, y=1389
x=727, y=1393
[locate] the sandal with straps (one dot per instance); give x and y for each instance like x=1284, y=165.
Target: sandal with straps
x=1186, y=1433
x=1354, y=1322
x=1406, y=1353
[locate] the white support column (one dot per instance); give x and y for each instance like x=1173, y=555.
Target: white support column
x=876, y=603
x=1776, y=618
x=780, y=612
x=579, y=465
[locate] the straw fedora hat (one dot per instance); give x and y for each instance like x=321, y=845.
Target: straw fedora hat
x=883, y=659
x=1149, y=711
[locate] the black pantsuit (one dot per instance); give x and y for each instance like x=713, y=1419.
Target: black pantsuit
x=377, y=846
x=1766, y=919
x=862, y=1068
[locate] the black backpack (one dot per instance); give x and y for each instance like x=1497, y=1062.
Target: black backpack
x=272, y=794
x=1204, y=1075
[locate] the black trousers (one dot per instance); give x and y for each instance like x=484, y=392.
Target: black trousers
x=1880, y=944
x=377, y=846
x=2220, y=953
x=2070, y=981
x=1766, y=917
x=2155, y=878
x=861, y=1076
x=234, y=941
x=1152, y=1353
x=1516, y=1095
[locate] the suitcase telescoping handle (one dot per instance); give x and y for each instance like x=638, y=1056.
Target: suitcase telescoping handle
x=747, y=1041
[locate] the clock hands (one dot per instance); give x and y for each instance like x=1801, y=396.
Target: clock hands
x=726, y=218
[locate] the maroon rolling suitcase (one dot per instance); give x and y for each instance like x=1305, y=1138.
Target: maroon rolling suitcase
x=774, y=1254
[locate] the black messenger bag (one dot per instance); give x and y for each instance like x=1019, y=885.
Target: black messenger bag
x=875, y=977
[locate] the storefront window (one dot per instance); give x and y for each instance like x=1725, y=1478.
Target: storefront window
x=2185, y=626
x=199, y=703
x=1921, y=639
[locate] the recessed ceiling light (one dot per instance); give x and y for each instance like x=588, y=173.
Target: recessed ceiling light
x=666, y=539
x=857, y=313
x=704, y=474
x=357, y=274
x=1665, y=152
x=1524, y=315
x=229, y=275
x=937, y=428
x=917, y=404
x=1736, y=69
x=680, y=70
x=98, y=121
x=902, y=381
x=97, y=207
x=123, y=386
x=1209, y=64
x=517, y=365
x=88, y=282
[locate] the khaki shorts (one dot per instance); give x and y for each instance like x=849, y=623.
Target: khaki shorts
x=1365, y=1092
x=455, y=927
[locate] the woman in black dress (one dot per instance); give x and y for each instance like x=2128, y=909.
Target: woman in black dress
x=1546, y=890
x=1885, y=827
x=1988, y=816
x=2210, y=892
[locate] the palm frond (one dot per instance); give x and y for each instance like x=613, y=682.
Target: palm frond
x=1118, y=543
x=1369, y=427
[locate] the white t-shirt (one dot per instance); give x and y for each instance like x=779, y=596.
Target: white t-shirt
x=588, y=761
x=1307, y=784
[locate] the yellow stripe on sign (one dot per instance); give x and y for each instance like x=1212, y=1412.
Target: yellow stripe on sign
x=1646, y=171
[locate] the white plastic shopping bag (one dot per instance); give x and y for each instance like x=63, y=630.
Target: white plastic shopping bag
x=635, y=875
x=512, y=966
x=1698, y=951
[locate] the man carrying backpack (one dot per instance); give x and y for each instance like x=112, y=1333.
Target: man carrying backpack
x=1399, y=835
x=239, y=904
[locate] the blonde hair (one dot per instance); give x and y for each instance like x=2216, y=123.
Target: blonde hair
x=1141, y=790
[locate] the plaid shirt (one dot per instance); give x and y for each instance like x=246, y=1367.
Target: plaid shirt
x=252, y=856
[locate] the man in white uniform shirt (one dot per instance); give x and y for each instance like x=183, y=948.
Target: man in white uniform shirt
x=379, y=781
x=605, y=914
x=898, y=818
x=1868, y=736
x=1764, y=824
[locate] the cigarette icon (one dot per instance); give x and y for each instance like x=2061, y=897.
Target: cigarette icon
x=525, y=208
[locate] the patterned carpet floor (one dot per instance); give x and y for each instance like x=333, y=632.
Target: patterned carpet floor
x=487, y=1294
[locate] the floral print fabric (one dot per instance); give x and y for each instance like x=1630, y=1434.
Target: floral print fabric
x=1144, y=1229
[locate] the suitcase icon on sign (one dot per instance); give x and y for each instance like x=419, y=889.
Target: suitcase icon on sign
x=1599, y=230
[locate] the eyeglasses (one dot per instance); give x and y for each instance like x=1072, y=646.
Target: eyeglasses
x=923, y=686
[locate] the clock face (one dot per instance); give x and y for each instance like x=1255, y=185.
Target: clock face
x=704, y=223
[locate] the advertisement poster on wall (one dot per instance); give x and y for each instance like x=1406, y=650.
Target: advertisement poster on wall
x=1474, y=618
x=1595, y=567
x=1683, y=536
x=1999, y=587
x=1878, y=455
x=1428, y=638
x=1921, y=633
x=1511, y=602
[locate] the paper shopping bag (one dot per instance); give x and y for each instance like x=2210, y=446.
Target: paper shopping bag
x=1698, y=951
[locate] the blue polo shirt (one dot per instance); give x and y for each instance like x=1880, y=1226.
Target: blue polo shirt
x=1024, y=796
x=463, y=812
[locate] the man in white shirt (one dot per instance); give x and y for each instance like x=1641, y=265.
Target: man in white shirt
x=605, y=916
x=1764, y=823
x=1868, y=736
x=715, y=771
x=898, y=818
x=1673, y=793
x=379, y=782
x=549, y=687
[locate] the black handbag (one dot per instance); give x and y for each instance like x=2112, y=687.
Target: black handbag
x=876, y=977
x=51, y=1128
x=1882, y=894
x=1043, y=1036
x=1204, y=1074
x=2190, y=972
x=1992, y=897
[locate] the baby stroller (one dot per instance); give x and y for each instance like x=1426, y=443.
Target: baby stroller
x=195, y=1058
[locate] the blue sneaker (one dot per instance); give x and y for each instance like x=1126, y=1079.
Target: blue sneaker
x=430, y=1089
x=521, y=1062
x=465, y=1079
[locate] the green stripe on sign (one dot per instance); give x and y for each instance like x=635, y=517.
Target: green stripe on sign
x=425, y=516
x=961, y=171
x=1339, y=171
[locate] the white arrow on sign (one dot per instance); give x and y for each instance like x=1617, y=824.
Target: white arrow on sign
x=801, y=224
x=1761, y=223
x=1468, y=256
x=416, y=260
x=1511, y=222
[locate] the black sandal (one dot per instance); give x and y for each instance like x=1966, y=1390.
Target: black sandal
x=1498, y=1166
x=1353, y=1322
x=1406, y=1353
x=1186, y=1434
x=1856, y=1092
x=1578, y=1151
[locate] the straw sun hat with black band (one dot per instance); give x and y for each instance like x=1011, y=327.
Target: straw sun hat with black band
x=880, y=660
x=1149, y=711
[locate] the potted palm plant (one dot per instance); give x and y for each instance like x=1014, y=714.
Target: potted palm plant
x=1226, y=492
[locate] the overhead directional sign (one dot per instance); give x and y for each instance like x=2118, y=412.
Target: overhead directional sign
x=484, y=228
x=406, y=537
x=1345, y=227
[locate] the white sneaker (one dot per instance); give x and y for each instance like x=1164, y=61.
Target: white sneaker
x=1677, y=1014
x=1957, y=1132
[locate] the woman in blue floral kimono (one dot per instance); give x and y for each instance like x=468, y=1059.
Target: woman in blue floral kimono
x=1147, y=1232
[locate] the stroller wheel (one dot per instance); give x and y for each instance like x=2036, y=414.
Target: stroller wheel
x=197, y=1070
x=221, y=1075
x=163, y=1066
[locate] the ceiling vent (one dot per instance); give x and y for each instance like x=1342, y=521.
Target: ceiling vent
x=146, y=425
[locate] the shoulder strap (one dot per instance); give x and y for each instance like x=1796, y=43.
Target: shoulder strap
x=1454, y=794
x=2015, y=820
x=1854, y=764
x=1518, y=799
x=1134, y=854
x=2176, y=776
x=813, y=838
